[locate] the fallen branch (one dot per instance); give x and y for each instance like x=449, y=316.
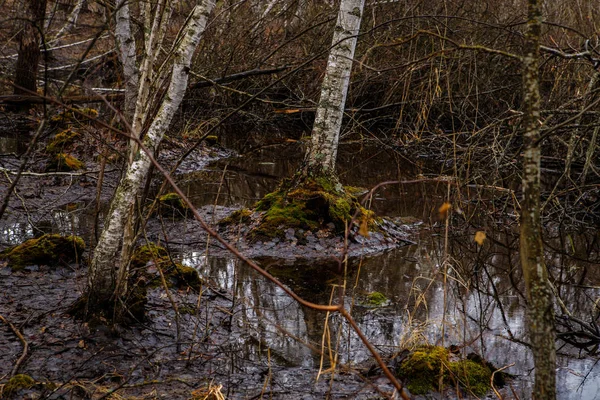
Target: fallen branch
x=18, y=99
x=23, y=341
x=239, y=76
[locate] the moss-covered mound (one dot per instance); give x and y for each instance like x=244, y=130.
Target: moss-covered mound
x=63, y=162
x=171, y=205
x=16, y=383
x=311, y=205
x=62, y=140
x=146, y=253
x=48, y=249
x=429, y=366
x=176, y=274
x=240, y=216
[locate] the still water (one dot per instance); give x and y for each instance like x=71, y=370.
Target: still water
x=480, y=307
x=445, y=289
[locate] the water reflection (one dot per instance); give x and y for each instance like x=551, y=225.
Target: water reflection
x=481, y=307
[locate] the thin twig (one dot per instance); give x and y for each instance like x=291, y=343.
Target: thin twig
x=23, y=341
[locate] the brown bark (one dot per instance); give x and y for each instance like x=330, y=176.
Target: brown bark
x=29, y=47
x=539, y=293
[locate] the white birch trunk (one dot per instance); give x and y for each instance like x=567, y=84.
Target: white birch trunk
x=322, y=151
x=104, y=269
x=126, y=46
x=71, y=20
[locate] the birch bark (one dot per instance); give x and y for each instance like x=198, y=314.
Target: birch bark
x=126, y=46
x=539, y=293
x=322, y=152
x=106, y=269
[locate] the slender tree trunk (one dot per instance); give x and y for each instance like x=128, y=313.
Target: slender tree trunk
x=322, y=151
x=106, y=268
x=127, y=53
x=29, y=47
x=541, y=313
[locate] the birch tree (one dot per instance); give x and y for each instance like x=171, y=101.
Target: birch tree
x=322, y=152
x=314, y=196
x=108, y=271
x=539, y=293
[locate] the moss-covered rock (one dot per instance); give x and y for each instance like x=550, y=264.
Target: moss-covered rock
x=422, y=369
x=176, y=274
x=16, y=383
x=62, y=140
x=428, y=366
x=63, y=162
x=472, y=376
x=376, y=299
x=49, y=249
x=240, y=216
x=171, y=205
x=146, y=253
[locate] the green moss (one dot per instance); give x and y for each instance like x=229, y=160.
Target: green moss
x=69, y=116
x=310, y=205
x=473, y=376
x=355, y=190
x=240, y=216
x=376, y=299
x=16, y=383
x=48, y=249
x=186, y=276
x=428, y=366
x=423, y=368
x=143, y=254
x=64, y=162
x=171, y=204
x=62, y=140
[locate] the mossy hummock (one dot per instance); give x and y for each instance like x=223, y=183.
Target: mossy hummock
x=427, y=367
x=16, y=383
x=175, y=274
x=62, y=140
x=309, y=204
x=171, y=204
x=49, y=249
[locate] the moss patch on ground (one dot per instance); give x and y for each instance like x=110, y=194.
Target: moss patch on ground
x=176, y=274
x=241, y=216
x=49, y=249
x=171, y=205
x=16, y=383
x=376, y=299
x=63, y=162
x=429, y=366
x=62, y=140
x=311, y=205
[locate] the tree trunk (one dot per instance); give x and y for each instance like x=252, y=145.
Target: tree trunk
x=106, y=269
x=126, y=46
x=539, y=293
x=322, y=151
x=29, y=48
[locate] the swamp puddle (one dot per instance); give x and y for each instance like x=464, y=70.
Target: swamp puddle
x=480, y=307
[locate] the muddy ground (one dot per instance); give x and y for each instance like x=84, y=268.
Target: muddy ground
x=170, y=354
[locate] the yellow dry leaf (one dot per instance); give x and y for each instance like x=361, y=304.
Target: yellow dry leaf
x=81, y=344
x=443, y=210
x=480, y=237
x=364, y=228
